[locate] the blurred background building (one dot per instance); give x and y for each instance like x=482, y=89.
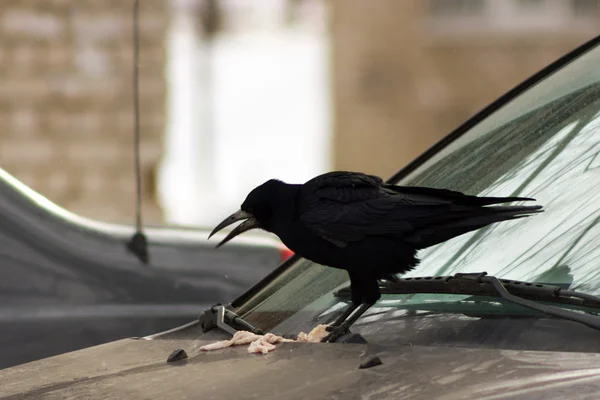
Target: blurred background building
x=408, y=72
x=234, y=92
x=66, y=122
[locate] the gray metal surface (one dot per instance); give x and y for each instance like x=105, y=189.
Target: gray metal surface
x=67, y=283
x=137, y=369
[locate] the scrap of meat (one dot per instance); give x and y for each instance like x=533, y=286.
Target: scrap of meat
x=257, y=342
x=265, y=343
x=272, y=339
x=216, y=345
x=244, y=337
x=240, y=337
x=260, y=346
x=318, y=333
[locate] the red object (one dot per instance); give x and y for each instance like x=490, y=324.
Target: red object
x=286, y=253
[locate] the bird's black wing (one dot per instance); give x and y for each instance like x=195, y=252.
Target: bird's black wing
x=345, y=207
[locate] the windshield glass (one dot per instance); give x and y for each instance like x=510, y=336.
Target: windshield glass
x=544, y=144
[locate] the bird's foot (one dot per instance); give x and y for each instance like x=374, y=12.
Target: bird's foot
x=331, y=327
x=340, y=320
x=341, y=327
x=335, y=332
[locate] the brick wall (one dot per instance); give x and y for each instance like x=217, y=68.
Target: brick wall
x=66, y=121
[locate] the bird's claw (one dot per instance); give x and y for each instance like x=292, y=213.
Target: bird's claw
x=334, y=333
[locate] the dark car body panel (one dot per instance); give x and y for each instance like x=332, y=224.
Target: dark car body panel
x=67, y=283
x=137, y=369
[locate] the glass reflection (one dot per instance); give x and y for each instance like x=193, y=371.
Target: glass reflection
x=549, y=154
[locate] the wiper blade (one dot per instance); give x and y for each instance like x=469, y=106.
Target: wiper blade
x=219, y=316
x=522, y=293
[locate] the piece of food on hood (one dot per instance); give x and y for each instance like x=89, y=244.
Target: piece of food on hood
x=272, y=339
x=244, y=337
x=216, y=345
x=265, y=343
x=314, y=336
x=261, y=346
x=240, y=337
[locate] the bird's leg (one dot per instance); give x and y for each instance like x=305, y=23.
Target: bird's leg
x=365, y=293
x=356, y=302
x=339, y=320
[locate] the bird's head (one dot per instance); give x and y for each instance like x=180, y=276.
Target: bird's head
x=258, y=210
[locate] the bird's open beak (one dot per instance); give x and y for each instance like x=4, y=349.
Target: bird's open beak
x=250, y=223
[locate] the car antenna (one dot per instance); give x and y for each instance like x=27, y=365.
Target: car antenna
x=138, y=244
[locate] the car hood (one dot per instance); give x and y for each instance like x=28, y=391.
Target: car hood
x=137, y=369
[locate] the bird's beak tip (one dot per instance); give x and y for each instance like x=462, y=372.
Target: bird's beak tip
x=250, y=223
x=237, y=216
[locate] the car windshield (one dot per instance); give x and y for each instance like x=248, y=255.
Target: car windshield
x=544, y=144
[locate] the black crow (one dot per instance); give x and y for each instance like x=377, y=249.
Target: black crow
x=361, y=224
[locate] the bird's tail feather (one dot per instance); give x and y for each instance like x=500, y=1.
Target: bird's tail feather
x=484, y=201
x=466, y=221
x=455, y=197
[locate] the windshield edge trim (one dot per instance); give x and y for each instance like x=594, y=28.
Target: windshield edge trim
x=495, y=105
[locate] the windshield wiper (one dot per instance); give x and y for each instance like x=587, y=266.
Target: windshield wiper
x=525, y=294
x=219, y=316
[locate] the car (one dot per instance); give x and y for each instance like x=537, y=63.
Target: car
x=67, y=282
x=510, y=311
